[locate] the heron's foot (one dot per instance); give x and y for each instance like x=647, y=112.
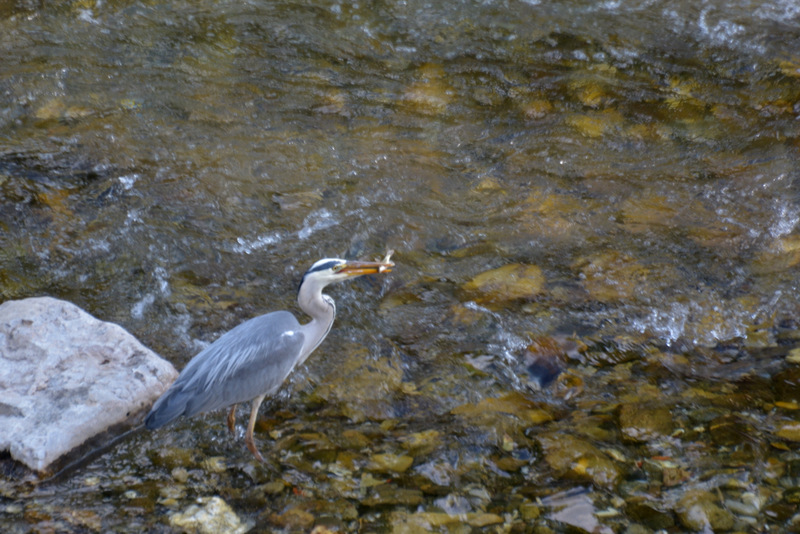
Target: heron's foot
x=251, y=444
x=232, y=420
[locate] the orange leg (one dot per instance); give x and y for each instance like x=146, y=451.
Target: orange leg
x=248, y=437
x=232, y=420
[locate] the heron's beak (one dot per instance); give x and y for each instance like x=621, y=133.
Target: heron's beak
x=357, y=268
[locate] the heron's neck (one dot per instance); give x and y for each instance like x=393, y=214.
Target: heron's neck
x=322, y=310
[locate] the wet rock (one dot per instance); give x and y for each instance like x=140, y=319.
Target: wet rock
x=427, y=521
x=314, y=446
x=560, y=217
x=509, y=463
x=487, y=96
x=787, y=386
x=513, y=404
x=536, y=108
x=422, y=442
x=545, y=358
x=333, y=509
x=542, y=369
x=431, y=94
x=529, y=511
x=507, y=283
x=172, y=457
x=783, y=254
x=646, y=513
x=453, y=503
x=612, y=276
x=792, y=495
x=168, y=495
x=793, y=356
x=466, y=316
x=440, y=473
x=789, y=431
x=353, y=439
x=88, y=519
x=333, y=102
x=781, y=512
x=573, y=456
x=69, y=380
x=729, y=430
x=648, y=212
x=50, y=110
x=673, y=475
x=294, y=518
x=749, y=503
x=641, y=423
x=598, y=427
x=362, y=386
x=716, y=234
x=389, y=494
x=273, y=487
x=589, y=92
x=698, y=510
x=596, y=124
x=180, y=474
x=298, y=200
x=215, y=464
x=211, y=515
x=390, y=462
x=577, y=509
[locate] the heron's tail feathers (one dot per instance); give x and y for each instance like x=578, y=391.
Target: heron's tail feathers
x=167, y=408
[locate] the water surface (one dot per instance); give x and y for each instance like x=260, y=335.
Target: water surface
x=176, y=167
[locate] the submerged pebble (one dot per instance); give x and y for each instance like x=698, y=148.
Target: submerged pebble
x=507, y=283
x=611, y=276
x=430, y=94
x=209, y=515
x=699, y=510
x=388, y=462
x=642, y=422
x=575, y=457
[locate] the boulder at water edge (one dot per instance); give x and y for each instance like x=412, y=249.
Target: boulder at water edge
x=66, y=378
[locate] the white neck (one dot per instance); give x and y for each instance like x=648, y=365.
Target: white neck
x=322, y=310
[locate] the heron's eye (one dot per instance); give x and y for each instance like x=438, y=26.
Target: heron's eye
x=338, y=267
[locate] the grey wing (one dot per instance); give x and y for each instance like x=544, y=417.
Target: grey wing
x=251, y=360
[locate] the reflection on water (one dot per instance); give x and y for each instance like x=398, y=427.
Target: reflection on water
x=609, y=188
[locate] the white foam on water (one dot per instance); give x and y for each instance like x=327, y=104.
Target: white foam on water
x=316, y=221
x=248, y=246
x=129, y=180
x=786, y=219
x=785, y=11
x=138, y=309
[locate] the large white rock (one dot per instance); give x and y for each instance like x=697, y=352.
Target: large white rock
x=66, y=377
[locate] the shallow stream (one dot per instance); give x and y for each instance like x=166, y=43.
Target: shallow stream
x=594, y=322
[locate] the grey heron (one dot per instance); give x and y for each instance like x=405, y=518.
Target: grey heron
x=251, y=361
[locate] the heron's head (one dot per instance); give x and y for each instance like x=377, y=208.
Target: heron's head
x=329, y=270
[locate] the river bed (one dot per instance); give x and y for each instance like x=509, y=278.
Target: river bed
x=594, y=320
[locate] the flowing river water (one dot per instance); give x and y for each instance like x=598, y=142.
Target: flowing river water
x=594, y=322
